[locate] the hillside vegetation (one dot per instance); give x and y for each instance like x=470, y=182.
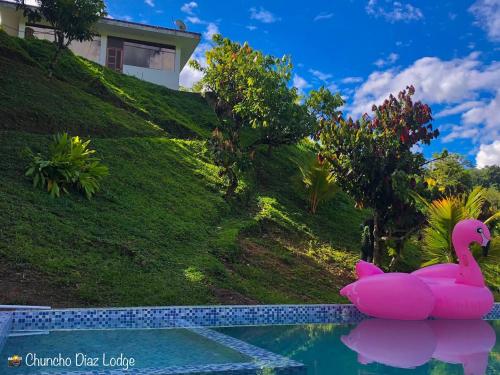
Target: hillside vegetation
x=159, y=232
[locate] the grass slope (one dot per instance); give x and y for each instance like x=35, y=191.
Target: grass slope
x=159, y=232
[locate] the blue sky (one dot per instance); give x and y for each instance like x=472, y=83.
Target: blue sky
x=366, y=49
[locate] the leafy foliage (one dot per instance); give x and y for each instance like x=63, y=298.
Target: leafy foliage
x=70, y=19
x=488, y=176
x=70, y=163
x=254, y=103
x=449, y=174
x=372, y=158
x=318, y=182
x=442, y=215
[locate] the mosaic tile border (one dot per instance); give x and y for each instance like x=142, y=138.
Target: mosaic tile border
x=5, y=327
x=164, y=317
x=226, y=369
x=262, y=357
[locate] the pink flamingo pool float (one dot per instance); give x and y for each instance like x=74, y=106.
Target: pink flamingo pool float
x=408, y=344
x=448, y=291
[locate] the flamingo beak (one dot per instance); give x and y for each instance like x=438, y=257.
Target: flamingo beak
x=485, y=244
x=486, y=249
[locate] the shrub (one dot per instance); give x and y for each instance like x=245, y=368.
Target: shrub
x=70, y=164
x=319, y=183
x=442, y=216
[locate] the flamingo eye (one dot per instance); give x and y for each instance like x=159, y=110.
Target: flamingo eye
x=479, y=230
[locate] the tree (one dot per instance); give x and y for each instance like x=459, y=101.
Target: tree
x=373, y=159
x=251, y=96
x=450, y=174
x=70, y=19
x=487, y=176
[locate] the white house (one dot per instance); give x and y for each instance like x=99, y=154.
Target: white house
x=152, y=53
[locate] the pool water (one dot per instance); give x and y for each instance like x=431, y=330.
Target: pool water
x=150, y=348
x=372, y=347
x=383, y=347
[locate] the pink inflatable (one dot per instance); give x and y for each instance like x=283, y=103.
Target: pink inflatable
x=408, y=344
x=448, y=291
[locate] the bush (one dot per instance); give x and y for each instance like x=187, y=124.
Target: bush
x=318, y=183
x=70, y=164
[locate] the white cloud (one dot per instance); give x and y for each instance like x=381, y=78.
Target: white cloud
x=151, y=3
x=487, y=15
x=300, y=83
x=460, y=108
x=189, y=76
x=323, y=16
x=320, y=75
x=436, y=81
x=486, y=114
x=460, y=132
x=489, y=154
x=464, y=85
x=393, y=11
x=263, y=15
x=194, y=20
x=348, y=80
x=212, y=29
x=251, y=27
x=334, y=88
x=391, y=59
x=189, y=7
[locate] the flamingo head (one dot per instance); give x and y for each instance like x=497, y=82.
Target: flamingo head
x=471, y=230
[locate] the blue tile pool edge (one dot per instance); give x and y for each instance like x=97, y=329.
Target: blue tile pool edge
x=5, y=327
x=161, y=317
x=204, y=316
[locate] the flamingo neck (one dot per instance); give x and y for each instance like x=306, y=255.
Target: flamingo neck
x=469, y=271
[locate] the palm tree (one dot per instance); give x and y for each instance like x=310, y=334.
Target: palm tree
x=442, y=216
x=319, y=182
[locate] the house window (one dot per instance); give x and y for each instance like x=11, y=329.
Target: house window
x=149, y=56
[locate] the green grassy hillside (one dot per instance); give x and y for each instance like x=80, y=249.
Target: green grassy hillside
x=159, y=231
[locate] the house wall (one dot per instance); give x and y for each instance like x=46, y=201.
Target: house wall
x=9, y=20
x=160, y=77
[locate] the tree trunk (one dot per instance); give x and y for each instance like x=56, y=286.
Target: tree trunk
x=233, y=184
x=377, y=253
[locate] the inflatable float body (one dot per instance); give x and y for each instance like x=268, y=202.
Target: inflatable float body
x=409, y=344
x=447, y=291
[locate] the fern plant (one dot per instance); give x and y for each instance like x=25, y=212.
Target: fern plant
x=70, y=164
x=442, y=216
x=318, y=182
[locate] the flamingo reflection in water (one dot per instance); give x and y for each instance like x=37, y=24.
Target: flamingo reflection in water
x=408, y=344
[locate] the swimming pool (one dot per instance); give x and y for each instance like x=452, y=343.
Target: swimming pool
x=301, y=339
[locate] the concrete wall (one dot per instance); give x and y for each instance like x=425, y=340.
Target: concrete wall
x=9, y=20
x=160, y=77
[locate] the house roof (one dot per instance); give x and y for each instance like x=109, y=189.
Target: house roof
x=153, y=27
